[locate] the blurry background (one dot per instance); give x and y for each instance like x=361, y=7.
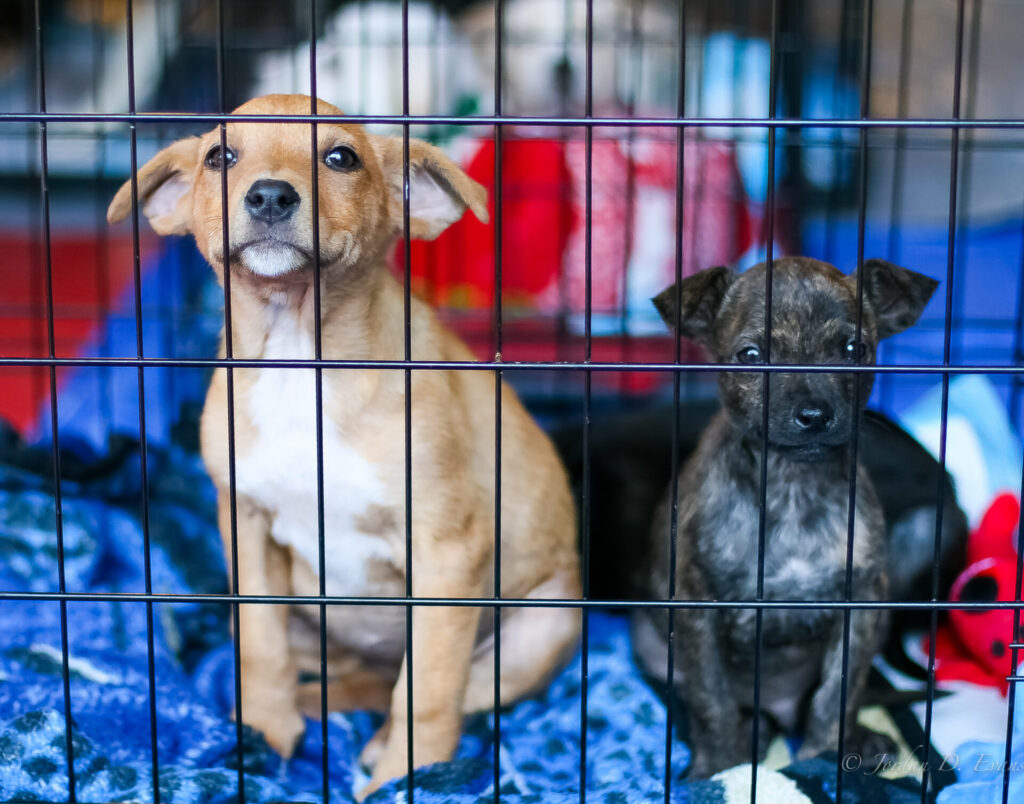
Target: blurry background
x=640, y=69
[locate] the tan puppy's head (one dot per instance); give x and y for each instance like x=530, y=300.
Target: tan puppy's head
x=270, y=192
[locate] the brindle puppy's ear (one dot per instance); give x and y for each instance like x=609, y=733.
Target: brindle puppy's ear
x=700, y=297
x=897, y=295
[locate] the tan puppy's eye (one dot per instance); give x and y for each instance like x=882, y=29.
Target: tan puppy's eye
x=214, y=158
x=341, y=157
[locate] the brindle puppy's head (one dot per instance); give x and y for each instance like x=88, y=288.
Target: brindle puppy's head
x=814, y=321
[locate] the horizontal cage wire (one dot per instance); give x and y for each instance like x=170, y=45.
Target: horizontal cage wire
x=623, y=146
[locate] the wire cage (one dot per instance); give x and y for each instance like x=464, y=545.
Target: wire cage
x=625, y=144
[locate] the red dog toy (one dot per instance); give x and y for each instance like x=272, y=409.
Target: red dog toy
x=975, y=645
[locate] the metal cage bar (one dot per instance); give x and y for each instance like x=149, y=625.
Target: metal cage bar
x=523, y=602
x=141, y=382
x=677, y=351
x=892, y=250
x=407, y=337
x=762, y=491
x=587, y=121
x=515, y=366
x=851, y=511
x=44, y=192
x=499, y=80
x=230, y=380
x=588, y=244
x=954, y=156
x=318, y=384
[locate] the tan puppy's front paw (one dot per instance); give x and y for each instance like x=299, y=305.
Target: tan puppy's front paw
x=390, y=760
x=282, y=730
x=383, y=772
x=370, y=756
x=369, y=789
x=373, y=750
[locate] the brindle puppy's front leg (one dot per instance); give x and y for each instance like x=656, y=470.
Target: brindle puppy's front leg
x=823, y=719
x=717, y=735
x=268, y=673
x=442, y=647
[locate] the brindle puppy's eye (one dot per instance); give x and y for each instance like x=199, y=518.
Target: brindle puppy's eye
x=214, y=159
x=750, y=354
x=855, y=350
x=341, y=157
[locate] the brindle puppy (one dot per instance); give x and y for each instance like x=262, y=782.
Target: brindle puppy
x=810, y=417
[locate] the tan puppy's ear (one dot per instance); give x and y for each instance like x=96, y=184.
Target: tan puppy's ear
x=439, y=192
x=165, y=182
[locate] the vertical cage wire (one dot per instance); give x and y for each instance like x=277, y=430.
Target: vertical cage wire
x=851, y=506
x=635, y=66
x=966, y=178
x=954, y=156
x=893, y=249
x=141, y=382
x=762, y=518
x=791, y=73
x=846, y=58
x=318, y=382
x=104, y=308
x=36, y=305
x=230, y=381
x=670, y=593
x=1017, y=350
x=587, y=381
x=499, y=75
x=407, y=306
x=44, y=192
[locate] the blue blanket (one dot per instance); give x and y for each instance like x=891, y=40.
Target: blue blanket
x=196, y=742
x=196, y=739
x=980, y=765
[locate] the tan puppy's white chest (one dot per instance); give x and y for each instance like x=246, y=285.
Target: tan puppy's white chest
x=279, y=468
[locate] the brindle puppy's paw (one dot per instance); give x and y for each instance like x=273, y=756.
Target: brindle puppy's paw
x=875, y=749
x=872, y=748
x=700, y=766
x=708, y=760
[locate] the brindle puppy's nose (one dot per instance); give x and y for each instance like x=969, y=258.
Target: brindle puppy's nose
x=271, y=201
x=813, y=416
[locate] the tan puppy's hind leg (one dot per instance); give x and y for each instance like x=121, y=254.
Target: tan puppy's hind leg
x=357, y=691
x=534, y=643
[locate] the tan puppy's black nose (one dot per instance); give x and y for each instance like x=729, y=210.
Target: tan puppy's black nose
x=271, y=201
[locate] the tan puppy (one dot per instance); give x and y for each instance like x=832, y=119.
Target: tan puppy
x=271, y=247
